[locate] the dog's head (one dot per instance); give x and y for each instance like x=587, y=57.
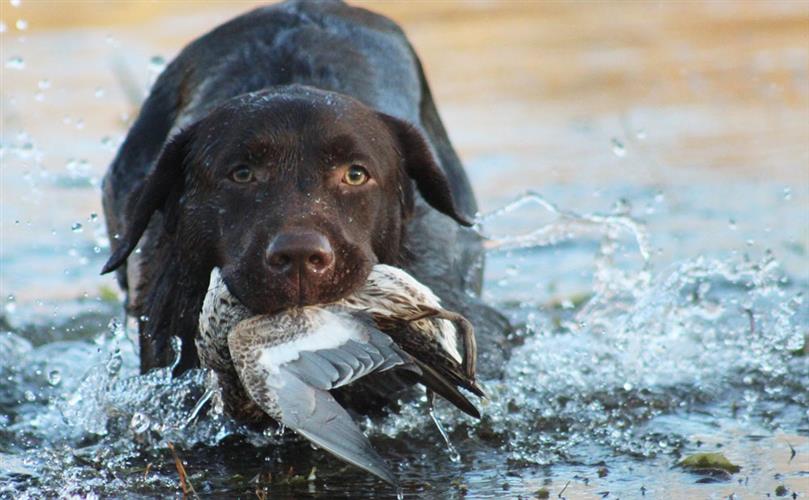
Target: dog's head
x=295, y=195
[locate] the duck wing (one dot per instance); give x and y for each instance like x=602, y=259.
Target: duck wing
x=317, y=416
x=330, y=368
x=412, y=315
x=291, y=380
x=440, y=371
x=437, y=381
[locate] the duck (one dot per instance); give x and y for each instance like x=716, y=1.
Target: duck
x=284, y=365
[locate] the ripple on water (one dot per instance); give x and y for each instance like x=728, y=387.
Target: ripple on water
x=620, y=376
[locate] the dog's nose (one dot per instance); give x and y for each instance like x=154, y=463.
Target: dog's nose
x=308, y=252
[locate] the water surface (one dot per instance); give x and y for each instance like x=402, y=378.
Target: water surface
x=658, y=281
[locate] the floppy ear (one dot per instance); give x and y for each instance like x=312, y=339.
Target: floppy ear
x=421, y=166
x=164, y=181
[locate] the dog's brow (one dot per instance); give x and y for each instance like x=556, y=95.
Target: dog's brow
x=258, y=148
x=340, y=147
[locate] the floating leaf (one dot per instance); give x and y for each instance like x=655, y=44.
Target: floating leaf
x=709, y=461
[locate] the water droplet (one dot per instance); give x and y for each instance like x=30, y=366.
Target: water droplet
x=21, y=24
x=44, y=84
x=76, y=227
x=144, y=318
x=30, y=396
x=99, y=92
x=11, y=304
x=54, y=377
x=732, y=224
x=787, y=193
x=15, y=62
x=618, y=148
x=640, y=134
x=627, y=386
x=114, y=364
x=139, y=423
x=622, y=206
x=93, y=217
x=157, y=63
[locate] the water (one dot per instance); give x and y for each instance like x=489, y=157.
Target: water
x=703, y=354
x=657, y=270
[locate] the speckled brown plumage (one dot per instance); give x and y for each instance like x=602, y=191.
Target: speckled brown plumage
x=283, y=366
x=220, y=313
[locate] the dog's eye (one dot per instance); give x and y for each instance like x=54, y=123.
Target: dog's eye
x=356, y=176
x=241, y=174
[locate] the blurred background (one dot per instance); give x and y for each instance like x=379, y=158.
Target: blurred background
x=691, y=116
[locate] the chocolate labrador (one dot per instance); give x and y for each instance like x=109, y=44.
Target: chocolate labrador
x=293, y=147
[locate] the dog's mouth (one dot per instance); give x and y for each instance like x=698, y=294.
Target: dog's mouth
x=272, y=298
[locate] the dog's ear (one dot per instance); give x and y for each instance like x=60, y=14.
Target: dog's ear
x=421, y=166
x=163, y=184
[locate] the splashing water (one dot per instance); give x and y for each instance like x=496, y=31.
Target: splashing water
x=568, y=225
x=626, y=373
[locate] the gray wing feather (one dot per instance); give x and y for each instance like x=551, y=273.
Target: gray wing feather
x=384, y=344
x=346, y=358
x=320, y=365
x=315, y=414
x=357, y=350
x=329, y=369
x=389, y=363
x=317, y=370
x=344, y=368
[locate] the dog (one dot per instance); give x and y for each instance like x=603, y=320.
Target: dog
x=293, y=147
